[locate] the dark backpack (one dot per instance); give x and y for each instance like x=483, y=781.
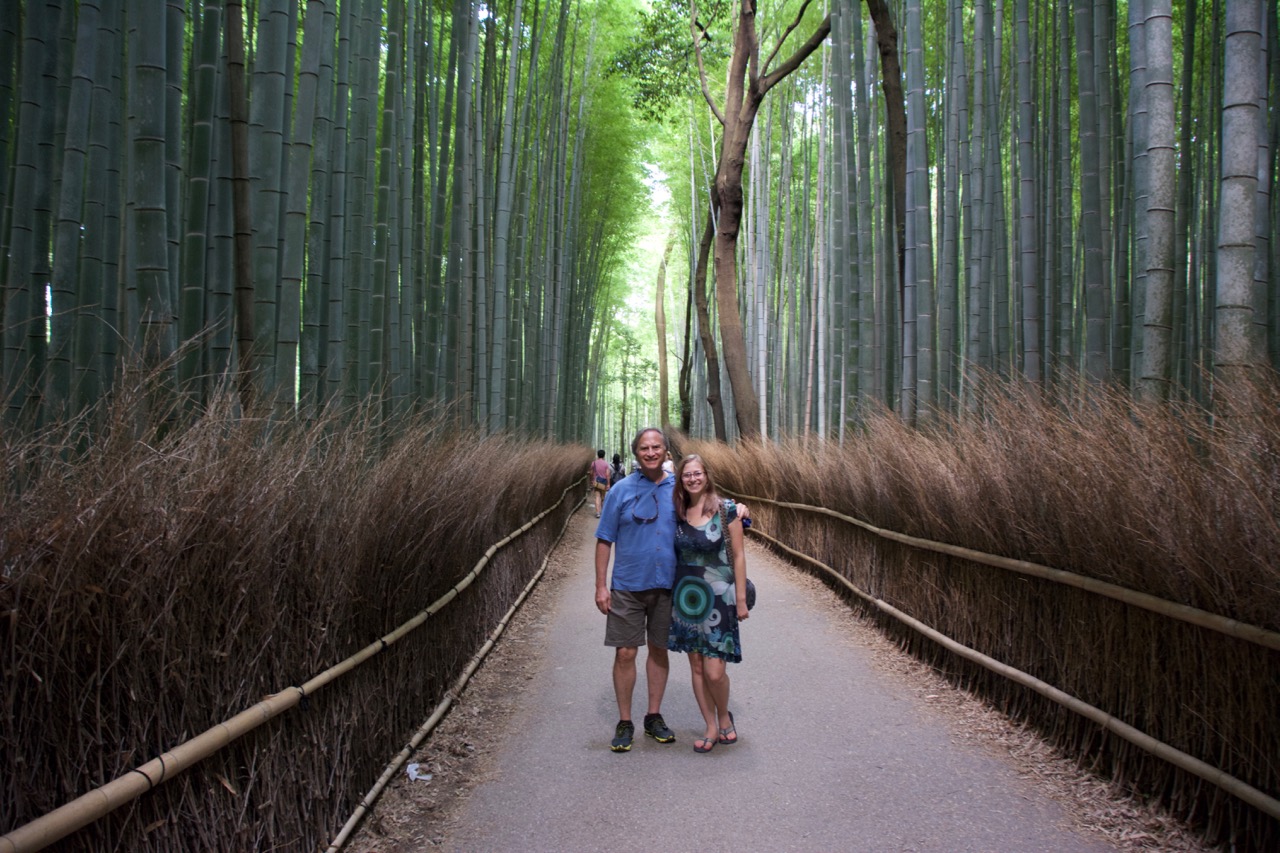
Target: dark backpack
x=615, y=474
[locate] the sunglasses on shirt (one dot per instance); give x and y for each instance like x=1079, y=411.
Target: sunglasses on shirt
x=640, y=519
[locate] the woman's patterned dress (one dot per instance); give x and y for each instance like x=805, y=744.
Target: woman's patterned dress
x=704, y=609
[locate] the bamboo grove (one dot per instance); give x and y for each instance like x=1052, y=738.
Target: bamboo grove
x=428, y=203
x=1055, y=193
x=319, y=202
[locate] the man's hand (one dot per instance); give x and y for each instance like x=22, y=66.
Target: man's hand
x=603, y=599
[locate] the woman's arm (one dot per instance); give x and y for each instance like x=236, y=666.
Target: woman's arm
x=737, y=540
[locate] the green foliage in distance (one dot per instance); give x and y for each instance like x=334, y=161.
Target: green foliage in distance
x=632, y=400
x=615, y=149
x=660, y=63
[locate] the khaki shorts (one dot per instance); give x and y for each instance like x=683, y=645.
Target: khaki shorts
x=630, y=613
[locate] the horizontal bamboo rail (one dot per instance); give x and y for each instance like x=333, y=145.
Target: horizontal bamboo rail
x=1238, y=788
x=1182, y=612
x=94, y=804
x=344, y=835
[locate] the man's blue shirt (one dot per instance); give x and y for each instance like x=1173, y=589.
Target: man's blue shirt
x=644, y=553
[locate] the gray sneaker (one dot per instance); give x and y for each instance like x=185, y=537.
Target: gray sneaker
x=622, y=736
x=656, y=728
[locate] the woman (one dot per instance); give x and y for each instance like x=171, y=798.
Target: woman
x=710, y=595
x=599, y=470
x=616, y=472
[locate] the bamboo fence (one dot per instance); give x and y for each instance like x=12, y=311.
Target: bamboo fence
x=949, y=596
x=428, y=726
x=127, y=788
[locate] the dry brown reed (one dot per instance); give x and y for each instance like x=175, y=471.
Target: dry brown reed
x=159, y=576
x=1160, y=499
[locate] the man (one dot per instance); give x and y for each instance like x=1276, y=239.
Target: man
x=638, y=525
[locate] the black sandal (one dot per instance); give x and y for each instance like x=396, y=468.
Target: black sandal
x=732, y=730
x=708, y=744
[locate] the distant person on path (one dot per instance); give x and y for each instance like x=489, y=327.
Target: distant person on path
x=710, y=595
x=599, y=471
x=638, y=525
x=616, y=472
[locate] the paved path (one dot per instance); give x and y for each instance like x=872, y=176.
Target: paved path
x=835, y=754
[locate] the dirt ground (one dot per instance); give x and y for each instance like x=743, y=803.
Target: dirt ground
x=421, y=814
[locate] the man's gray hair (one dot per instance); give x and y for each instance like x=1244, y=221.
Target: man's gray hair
x=635, y=442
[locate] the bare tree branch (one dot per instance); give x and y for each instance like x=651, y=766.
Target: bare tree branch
x=702, y=71
x=777, y=47
x=793, y=61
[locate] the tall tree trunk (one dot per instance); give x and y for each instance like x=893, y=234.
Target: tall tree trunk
x=1028, y=206
x=686, y=363
x=65, y=283
x=705, y=329
x=918, y=383
x=266, y=141
x=10, y=38
x=1186, y=181
x=336, y=343
x=729, y=192
x=194, y=295
x=97, y=269
x=865, y=252
x=746, y=90
x=895, y=124
x=502, y=326
x=362, y=161
x=948, y=255
x=1097, y=317
x=311, y=348
x=438, y=127
x=978, y=252
x=457, y=377
x=1157, y=332
x=660, y=323
x=299, y=192
x=1240, y=347
x=28, y=248
x=146, y=201
x=1066, y=224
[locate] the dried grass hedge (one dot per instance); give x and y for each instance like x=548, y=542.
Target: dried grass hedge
x=160, y=578
x=1162, y=500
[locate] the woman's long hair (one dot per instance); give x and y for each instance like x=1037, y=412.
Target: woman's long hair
x=681, y=496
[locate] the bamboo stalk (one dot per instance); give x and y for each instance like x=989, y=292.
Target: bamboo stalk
x=94, y=804
x=1178, y=758
x=441, y=709
x=1182, y=612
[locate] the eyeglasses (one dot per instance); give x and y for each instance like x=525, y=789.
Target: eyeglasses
x=693, y=476
x=640, y=519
